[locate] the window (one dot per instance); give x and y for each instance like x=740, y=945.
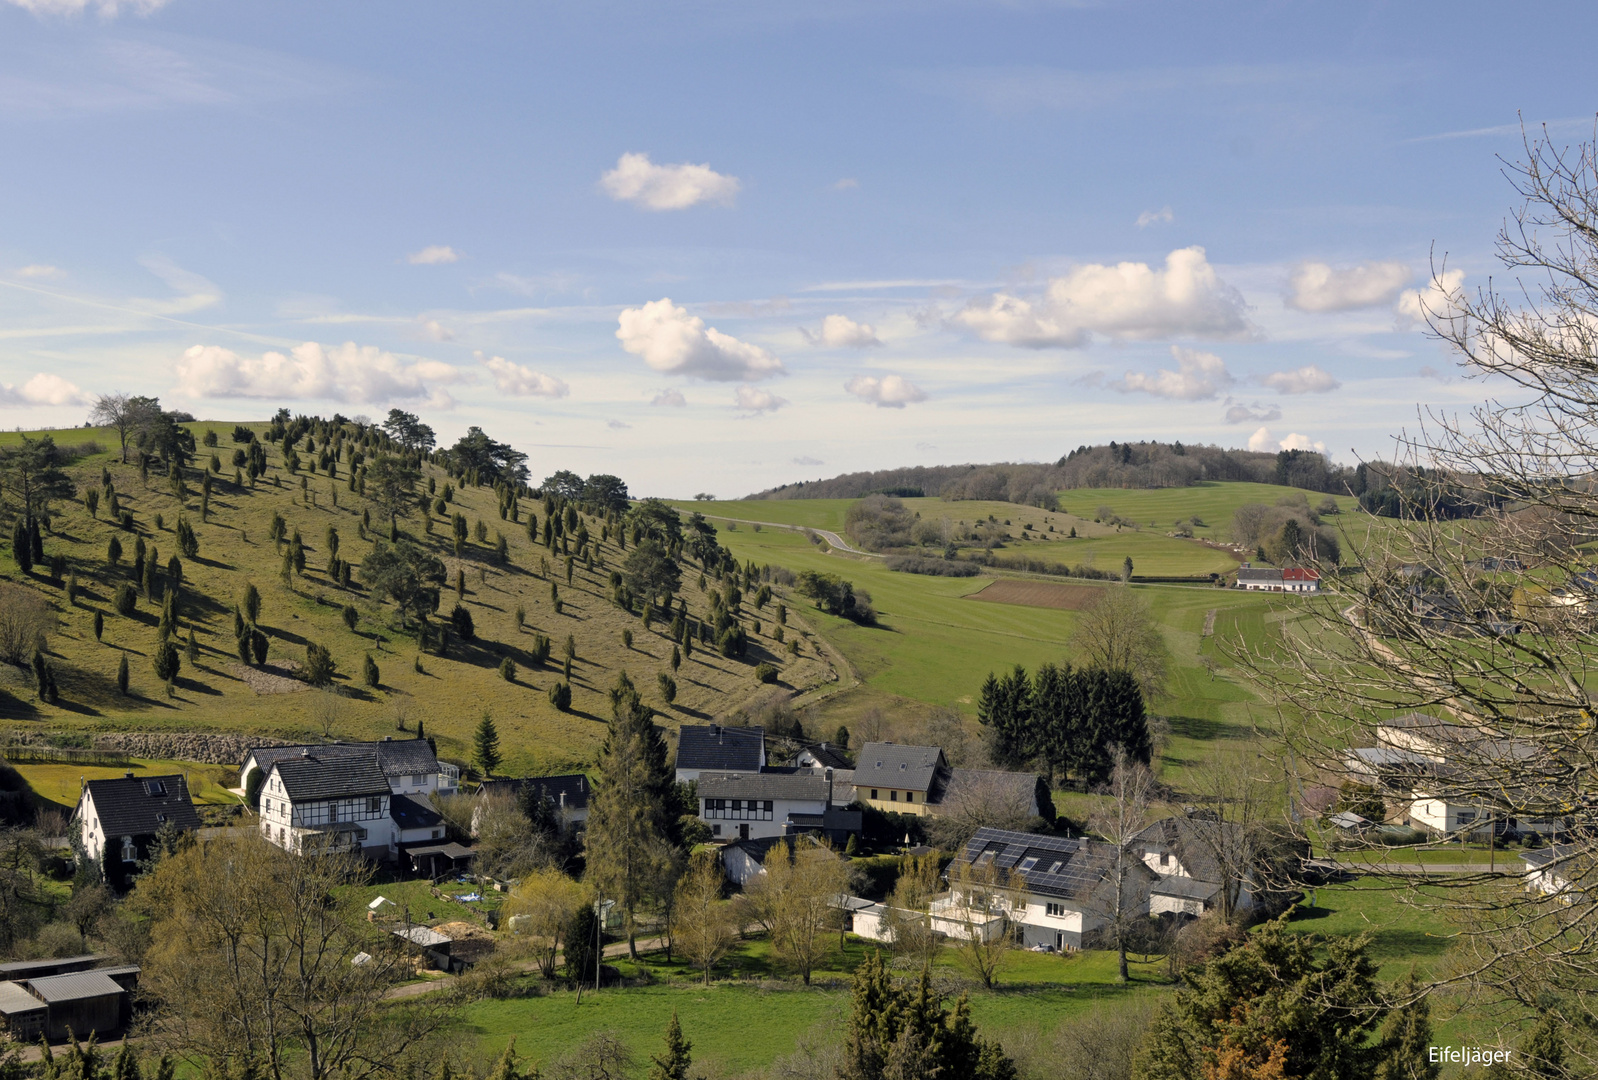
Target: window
x=1029, y=862
x=1467, y=816
x=893, y=796
x=874, y=793
x=155, y=787
x=1055, y=911
x=715, y=830
x=374, y=805
x=437, y=833
x=160, y=819
x=1055, y=869
x=129, y=852
x=909, y=796
x=765, y=810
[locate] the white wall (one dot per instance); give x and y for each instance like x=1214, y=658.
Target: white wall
x=727, y=828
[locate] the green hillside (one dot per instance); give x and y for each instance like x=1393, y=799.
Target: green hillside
x=448, y=693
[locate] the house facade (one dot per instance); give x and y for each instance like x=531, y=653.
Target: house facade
x=567, y=795
x=719, y=748
x=766, y=805
x=345, y=803
x=1271, y=579
x=125, y=814
x=899, y=778
x=1182, y=853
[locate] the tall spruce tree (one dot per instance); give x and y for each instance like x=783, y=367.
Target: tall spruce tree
x=485, y=744
x=674, y=1063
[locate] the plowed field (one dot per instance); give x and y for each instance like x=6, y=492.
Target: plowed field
x=1044, y=594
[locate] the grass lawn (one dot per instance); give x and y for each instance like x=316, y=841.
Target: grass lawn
x=418, y=898
x=61, y=783
x=749, y=997
x=1213, y=502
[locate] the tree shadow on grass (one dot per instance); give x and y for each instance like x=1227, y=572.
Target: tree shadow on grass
x=1195, y=727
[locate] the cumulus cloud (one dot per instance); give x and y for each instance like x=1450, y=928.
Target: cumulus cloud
x=357, y=374
x=888, y=392
x=1263, y=440
x=756, y=400
x=1162, y=216
x=842, y=332
x=41, y=272
x=433, y=330
x=519, y=380
x=1256, y=413
x=1305, y=380
x=672, y=398
x=1441, y=298
x=671, y=341
x=106, y=9
x=1318, y=287
x=433, y=255
x=1132, y=301
x=638, y=180
x=1198, y=376
x=42, y=389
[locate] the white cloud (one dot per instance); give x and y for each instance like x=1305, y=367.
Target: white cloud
x=888, y=392
x=617, y=425
x=194, y=292
x=1263, y=440
x=1318, y=287
x=433, y=330
x=1305, y=380
x=1440, y=298
x=1162, y=216
x=433, y=255
x=848, y=183
x=673, y=398
x=757, y=400
x=106, y=9
x=41, y=272
x=518, y=380
x=808, y=460
x=1256, y=413
x=1131, y=301
x=1199, y=375
x=636, y=179
x=676, y=343
x=357, y=374
x=842, y=332
x=42, y=389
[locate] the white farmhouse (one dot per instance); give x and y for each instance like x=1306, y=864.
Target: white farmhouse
x=345, y=803
x=756, y=806
x=409, y=766
x=125, y=814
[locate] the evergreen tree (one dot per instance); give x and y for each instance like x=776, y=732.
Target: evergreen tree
x=898, y=1032
x=22, y=546
x=674, y=1063
x=122, y=675
x=485, y=745
x=166, y=662
x=1005, y=706
x=1405, y=1037
x=369, y=672
x=99, y=624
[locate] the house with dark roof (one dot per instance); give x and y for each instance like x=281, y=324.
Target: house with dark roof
x=1182, y=852
x=410, y=765
x=125, y=814
x=759, y=805
x=918, y=780
x=1558, y=869
x=343, y=802
x=719, y=748
x=567, y=795
x=821, y=756
x=1064, y=886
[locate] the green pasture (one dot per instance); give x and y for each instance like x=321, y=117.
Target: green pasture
x=60, y=782
x=1213, y=502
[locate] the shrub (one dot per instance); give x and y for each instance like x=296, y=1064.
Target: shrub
x=626, y=639
x=766, y=673
x=521, y=617
x=122, y=675
x=461, y=621
x=319, y=665
x=369, y=673
x=259, y=645
x=560, y=696
x=540, y=650
x=166, y=662
x=126, y=599
x=351, y=616
x=915, y=564
x=188, y=543
x=99, y=624
x=668, y=687
x=733, y=642
x=507, y=669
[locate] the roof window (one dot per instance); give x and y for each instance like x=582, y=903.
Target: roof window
x=155, y=787
x=1029, y=862
x=1055, y=869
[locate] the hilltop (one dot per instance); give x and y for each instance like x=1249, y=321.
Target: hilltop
x=308, y=488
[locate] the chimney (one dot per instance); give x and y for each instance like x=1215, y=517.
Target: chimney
x=128, y=774
x=715, y=729
x=305, y=751
x=388, y=738
x=563, y=800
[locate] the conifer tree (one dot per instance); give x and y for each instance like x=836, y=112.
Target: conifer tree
x=99, y=624
x=674, y=1063
x=1405, y=1037
x=122, y=675
x=485, y=745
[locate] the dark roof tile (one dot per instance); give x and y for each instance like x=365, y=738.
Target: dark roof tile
x=138, y=806
x=716, y=746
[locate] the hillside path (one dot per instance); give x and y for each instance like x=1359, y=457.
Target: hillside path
x=832, y=538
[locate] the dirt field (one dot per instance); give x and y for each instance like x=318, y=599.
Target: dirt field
x=1044, y=594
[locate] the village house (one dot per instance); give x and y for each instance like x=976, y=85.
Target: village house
x=762, y=805
x=409, y=765
x=344, y=802
x=719, y=748
x=567, y=795
x=1551, y=870
x=1182, y=853
x=918, y=780
x=125, y=814
x=1271, y=579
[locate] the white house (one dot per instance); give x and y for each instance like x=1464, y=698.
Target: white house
x=346, y=803
x=1550, y=870
x=1182, y=853
x=1270, y=579
x=755, y=806
x=409, y=766
x=126, y=813
x=1065, y=883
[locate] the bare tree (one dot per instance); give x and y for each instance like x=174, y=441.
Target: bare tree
x=1124, y=898
x=1237, y=795
x=975, y=798
x=1465, y=653
x=1119, y=633
x=795, y=900
x=908, y=922
x=983, y=895
x=706, y=926
x=115, y=411
x=26, y=622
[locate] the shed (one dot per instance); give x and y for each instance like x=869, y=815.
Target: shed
x=22, y=1014
x=83, y=1003
x=61, y=965
x=438, y=860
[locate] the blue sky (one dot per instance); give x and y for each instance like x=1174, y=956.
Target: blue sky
x=719, y=246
